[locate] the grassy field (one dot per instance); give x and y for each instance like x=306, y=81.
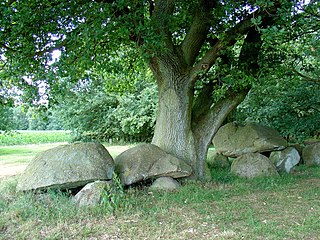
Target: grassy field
x=33, y=137
x=228, y=207
x=24, y=153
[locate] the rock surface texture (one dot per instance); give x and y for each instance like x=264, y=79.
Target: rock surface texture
x=252, y=165
x=165, y=184
x=148, y=161
x=67, y=166
x=91, y=194
x=286, y=159
x=311, y=154
x=233, y=140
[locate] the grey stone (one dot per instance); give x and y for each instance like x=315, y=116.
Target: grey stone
x=286, y=159
x=298, y=147
x=147, y=161
x=67, y=166
x=233, y=140
x=91, y=194
x=216, y=160
x=252, y=165
x=165, y=184
x=311, y=154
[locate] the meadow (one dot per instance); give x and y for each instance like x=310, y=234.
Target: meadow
x=33, y=137
x=227, y=207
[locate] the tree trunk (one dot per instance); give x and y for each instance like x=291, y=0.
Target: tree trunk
x=177, y=131
x=173, y=126
x=205, y=128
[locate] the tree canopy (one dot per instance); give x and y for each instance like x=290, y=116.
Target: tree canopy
x=89, y=33
x=204, y=55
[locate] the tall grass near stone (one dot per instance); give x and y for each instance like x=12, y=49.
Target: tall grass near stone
x=284, y=207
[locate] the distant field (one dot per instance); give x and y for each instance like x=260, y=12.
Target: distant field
x=33, y=137
x=14, y=158
x=22, y=154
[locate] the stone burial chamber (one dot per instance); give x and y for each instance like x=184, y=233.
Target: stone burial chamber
x=67, y=167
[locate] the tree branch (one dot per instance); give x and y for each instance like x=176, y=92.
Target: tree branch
x=248, y=59
x=10, y=2
x=203, y=102
x=7, y=48
x=50, y=49
x=198, y=31
x=316, y=109
x=307, y=78
x=162, y=11
x=229, y=39
x=204, y=128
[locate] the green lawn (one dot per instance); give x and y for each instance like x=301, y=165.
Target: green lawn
x=33, y=137
x=228, y=207
x=23, y=153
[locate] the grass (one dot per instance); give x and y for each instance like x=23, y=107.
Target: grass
x=33, y=137
x=286, y=207
x=228, y=207
x=19, y=154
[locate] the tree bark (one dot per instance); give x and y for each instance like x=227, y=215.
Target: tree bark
x=175, y=95
x=179, y=130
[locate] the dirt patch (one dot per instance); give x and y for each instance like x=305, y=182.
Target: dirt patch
x=118, y=149
x=8, y=170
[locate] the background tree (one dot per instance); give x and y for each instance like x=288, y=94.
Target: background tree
x=6, y=103
x=204, y=55
x=96, y=112
x=5, y=113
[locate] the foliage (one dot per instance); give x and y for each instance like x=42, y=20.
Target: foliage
x=286, y=95
x=94, y=36
x=20, y=119
x=6, y=102
x=25, y=117
x=293, y=112
x=113, y=197
x=5, y=113
x=95, y=113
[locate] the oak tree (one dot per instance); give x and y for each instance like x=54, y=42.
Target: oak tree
x=204, y=54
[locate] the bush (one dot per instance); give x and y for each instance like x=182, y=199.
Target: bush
x=96, y=114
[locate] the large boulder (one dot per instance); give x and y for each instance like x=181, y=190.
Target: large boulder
x=233, y=140
x=252, y=165
x=311, y=154
x=286, y=159
x=67, y=166
x=148, y=161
